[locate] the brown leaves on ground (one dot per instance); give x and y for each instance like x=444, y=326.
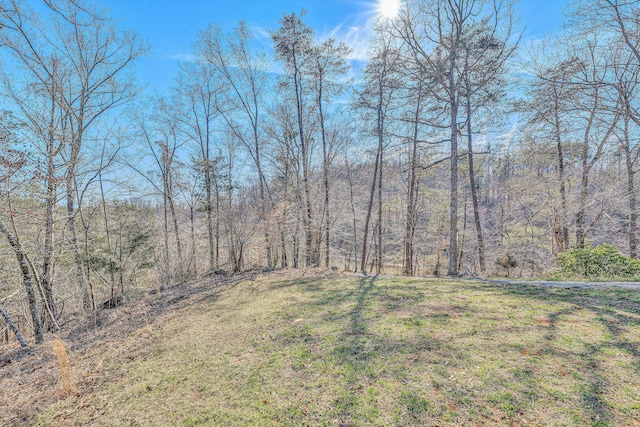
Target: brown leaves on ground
x=67, y=366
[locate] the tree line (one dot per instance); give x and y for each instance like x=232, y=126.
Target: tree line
x=458, y=148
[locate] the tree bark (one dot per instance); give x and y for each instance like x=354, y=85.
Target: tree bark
x=633, y=214
x=353, y=214
x=564, y=230
x=379, y=258
x=50, y=202
x=217, y=230
x=12, y=326
x=27, y=280
x=88, y=302
x=453, y=207
x=174, y=218
x=107, y=231
x=209, y=208
x=408, y=269
x=631, y=195
x=193, y=263
x=474, y=191
x=308, y=217
x=365, y=234
x=325, y=180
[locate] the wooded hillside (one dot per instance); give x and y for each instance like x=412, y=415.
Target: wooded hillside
x=456, y=149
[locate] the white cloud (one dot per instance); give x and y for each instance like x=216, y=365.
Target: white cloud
x=261, y=33
x=186, y=57
x=356, y=31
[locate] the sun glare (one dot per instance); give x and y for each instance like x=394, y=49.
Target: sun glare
x=389, y=8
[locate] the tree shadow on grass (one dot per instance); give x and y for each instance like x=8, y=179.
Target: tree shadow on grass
x=363, y=290
x=365, y=357
x=415, y=363
x=615, y=311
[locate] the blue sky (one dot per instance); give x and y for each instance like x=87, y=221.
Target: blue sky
x=171, y=26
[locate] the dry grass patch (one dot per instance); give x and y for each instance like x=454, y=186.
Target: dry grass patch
x=61, y=351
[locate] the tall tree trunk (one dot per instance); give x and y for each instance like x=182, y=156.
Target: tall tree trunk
x=283, y=220
x=12, y=326
x=27, y=280
x=584, y=184
x=296, y=245
x=353, y=214
x=464, y=233
x=76, y=143
x=121, y=261
x=209, y=209
x=564, y=230
x=633, y=214
x=165, y=216
x=587, y=165
x=474, y=191
x=310, y=257
x=631, y=195
x=372, y=193
x=261, y=187
x=409, y=229
x=46, y=279
x=263, y=206
x=283, y=248
x=176, y=229
x=436, y=269
x=87, y=258
x=379, y=245
x=582, y=207
x=325, y=179
x=193, y=265
x=453, y=208
x=217, y=230
x=308, y=217
x=107, y=231
x=87, y=298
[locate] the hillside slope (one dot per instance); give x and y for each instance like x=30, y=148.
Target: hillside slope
x=295, y=349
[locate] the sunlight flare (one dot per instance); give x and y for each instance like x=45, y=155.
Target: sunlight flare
x=389, y=8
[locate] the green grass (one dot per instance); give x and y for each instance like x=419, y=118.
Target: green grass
x=344, y=351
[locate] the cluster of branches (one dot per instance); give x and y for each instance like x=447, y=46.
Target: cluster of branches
x=64, y=73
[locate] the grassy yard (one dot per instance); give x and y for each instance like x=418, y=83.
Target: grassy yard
x=353, y=351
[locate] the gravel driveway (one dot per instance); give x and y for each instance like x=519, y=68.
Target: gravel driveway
x=585, y=285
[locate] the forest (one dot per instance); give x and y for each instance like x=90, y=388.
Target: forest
x=457, y=149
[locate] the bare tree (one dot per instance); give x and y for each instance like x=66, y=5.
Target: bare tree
x=434, y=35
x=287, y=182
x=621, y=20
x=487, y=47
x=327, y=69
x=599, y=110
x=375, y=100
x=549, y=101
x=412, y=186
x=244, y=75
x=292, y=45
x=160, y=135
x=625, y=74
x=197, y=108
x=79, y=59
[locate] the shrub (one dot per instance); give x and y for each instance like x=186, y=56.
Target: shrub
x=507, y=262
x=600, y=262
